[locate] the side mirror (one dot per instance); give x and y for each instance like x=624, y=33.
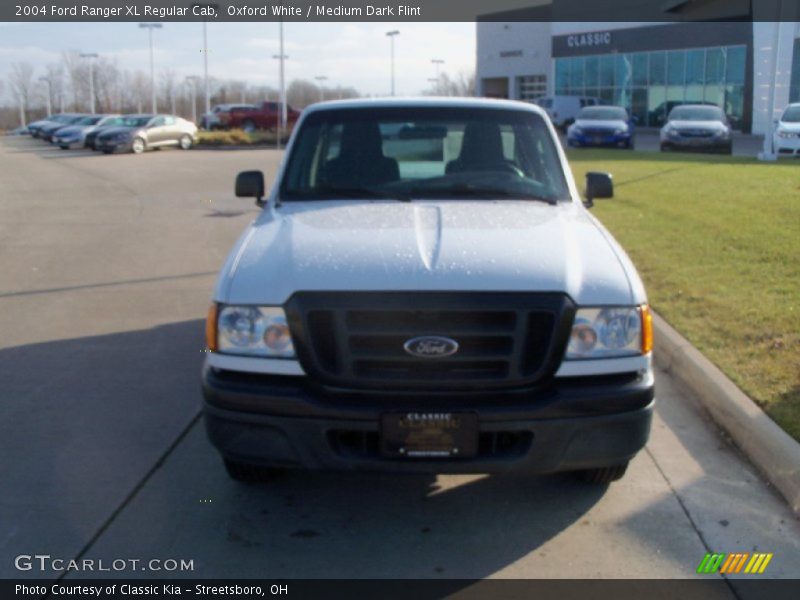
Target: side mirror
x=250, y=184
x=598, y=185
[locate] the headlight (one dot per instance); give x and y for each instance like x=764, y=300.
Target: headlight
x=575, y=130
x=251, y=330
x=611, y=332
x=621, y=131
x=723, y=133
x=785, y=134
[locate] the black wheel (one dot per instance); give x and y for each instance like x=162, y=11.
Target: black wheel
x=64, y=147
x=604, y=474
x=249, y=126
x=247, y=473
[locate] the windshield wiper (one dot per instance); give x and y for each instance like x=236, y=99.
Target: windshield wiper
x=352, y=192
x=476, y=191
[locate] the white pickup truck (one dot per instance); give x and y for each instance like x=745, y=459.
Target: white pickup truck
x=426, y=291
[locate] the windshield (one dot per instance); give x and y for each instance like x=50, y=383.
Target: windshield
x=424, y=152
x=136, y=121
x=88, y=120
x=603, y=113
x=696, y=113
x=791, y=114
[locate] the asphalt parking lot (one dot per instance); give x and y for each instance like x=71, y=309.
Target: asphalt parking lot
x=106, y=268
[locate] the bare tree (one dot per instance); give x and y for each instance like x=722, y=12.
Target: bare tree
x=55, y=78
x=169, y=87
x=21, y=80
x=106, y=82
x=78, y=75
x=139, y=90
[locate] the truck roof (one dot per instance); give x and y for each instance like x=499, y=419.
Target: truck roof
x=426, y=102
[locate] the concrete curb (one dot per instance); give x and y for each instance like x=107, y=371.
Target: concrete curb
x=770, y=448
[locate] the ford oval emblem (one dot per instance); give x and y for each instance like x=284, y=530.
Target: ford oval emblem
x=431, y=346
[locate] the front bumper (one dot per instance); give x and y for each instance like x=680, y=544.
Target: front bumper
x=696, y=143
x=67, y=142
x=787, y=146
x=112, y=145
x=599, y=140
x=570, y=424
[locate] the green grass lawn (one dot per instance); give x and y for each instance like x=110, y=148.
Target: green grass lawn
x=717, y=242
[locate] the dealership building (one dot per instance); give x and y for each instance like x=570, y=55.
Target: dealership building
x=741, y=66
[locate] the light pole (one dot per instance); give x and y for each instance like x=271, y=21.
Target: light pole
x=321, y=78
x=281, y=57
x=150, y=27
x=438, y=62
x=192, y=80
x=391, y=35
x=90, y=56
x=49, y=95
x=768, y=151
x=208, y=8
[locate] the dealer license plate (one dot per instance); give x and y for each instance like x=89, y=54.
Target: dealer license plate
x=429, y=435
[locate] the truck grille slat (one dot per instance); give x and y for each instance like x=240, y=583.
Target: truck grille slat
x=358, y=339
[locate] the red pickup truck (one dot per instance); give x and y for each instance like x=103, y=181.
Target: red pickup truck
x=261, y=116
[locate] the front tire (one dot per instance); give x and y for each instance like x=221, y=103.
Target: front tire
x=137, y=146
x=185, y=142
x=248, y=473
x=604, y=475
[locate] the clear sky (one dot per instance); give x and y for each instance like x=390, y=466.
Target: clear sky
x=349, y=54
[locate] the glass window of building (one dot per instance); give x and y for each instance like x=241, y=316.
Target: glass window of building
x=650, y=84
x=562, y=75
x=640, y=68
x=530, y=87
x=606, y=71
x=591, y=71
x=658, y=68
x=576, y=75
x=676, y=67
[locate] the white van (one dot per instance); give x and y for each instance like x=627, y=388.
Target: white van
x=563, y=109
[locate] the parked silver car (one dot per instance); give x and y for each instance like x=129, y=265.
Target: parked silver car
x=697, y=127
x=142, y=132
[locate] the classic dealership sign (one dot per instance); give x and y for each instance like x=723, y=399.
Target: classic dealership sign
x=597, y=38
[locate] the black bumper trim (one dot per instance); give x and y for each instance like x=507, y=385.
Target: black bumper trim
x=290, y=422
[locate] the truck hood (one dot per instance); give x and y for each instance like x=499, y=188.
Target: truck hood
x=432, y=246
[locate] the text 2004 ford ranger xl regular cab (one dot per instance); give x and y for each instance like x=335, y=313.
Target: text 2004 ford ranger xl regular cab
x=425, y=291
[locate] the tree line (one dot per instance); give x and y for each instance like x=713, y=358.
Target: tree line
x=65, y=87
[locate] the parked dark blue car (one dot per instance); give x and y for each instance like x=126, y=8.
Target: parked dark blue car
x=602, y=126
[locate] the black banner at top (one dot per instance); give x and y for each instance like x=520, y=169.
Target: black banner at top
x=400, y=10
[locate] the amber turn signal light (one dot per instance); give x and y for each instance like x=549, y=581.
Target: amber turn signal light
x=211, y=328
x=647, y=329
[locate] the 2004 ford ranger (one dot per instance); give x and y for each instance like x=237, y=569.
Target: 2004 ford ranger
x=425, y=290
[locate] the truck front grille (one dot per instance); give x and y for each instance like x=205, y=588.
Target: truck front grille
x=358, y=339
